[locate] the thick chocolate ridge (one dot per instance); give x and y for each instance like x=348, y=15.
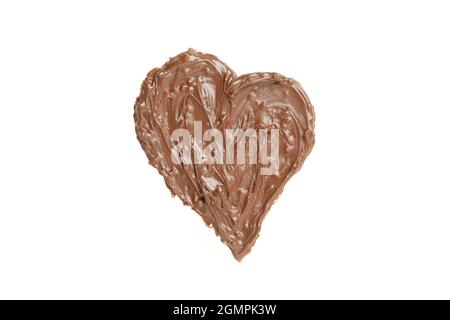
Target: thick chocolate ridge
x=193, y=86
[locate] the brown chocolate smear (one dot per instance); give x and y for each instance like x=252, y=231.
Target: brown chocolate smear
x=192, y=87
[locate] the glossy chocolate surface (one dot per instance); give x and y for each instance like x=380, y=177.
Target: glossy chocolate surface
x=232, y=198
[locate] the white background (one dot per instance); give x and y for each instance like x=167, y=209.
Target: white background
x=82, y=214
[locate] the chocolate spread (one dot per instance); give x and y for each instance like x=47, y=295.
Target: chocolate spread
x=196, y=88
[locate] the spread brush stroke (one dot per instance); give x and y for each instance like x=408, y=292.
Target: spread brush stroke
x=194, y=116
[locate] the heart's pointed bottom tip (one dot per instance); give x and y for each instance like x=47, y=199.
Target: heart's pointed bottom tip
x=240, y=255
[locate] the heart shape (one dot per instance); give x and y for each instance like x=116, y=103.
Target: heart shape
x=194, y=87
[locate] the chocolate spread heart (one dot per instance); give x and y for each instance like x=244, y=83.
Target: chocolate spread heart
x=225, y=145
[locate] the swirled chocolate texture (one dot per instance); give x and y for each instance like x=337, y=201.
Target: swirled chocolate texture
x=231, y=198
